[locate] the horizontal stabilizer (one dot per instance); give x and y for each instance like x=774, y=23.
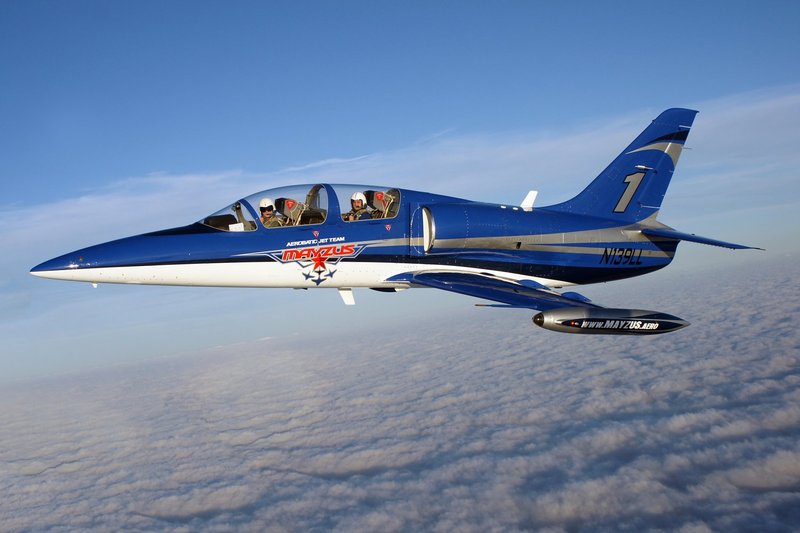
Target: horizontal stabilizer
x=691, y=237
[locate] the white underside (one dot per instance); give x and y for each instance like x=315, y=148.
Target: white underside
x=346, y=274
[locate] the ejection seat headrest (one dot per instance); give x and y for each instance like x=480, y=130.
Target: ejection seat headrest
x=290, y=208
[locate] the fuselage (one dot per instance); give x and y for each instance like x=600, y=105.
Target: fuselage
x=349, y=236
x=406, y=231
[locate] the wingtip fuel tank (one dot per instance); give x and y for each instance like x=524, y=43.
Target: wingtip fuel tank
x=607, y=321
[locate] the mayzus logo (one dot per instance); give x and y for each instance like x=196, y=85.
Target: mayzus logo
x=316, y=262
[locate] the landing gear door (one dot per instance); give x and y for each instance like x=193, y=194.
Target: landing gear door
x=423, y=231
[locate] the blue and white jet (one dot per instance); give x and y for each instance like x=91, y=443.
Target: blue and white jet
x=390, y=239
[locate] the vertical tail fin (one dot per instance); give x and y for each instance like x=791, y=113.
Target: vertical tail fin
x=632, y=187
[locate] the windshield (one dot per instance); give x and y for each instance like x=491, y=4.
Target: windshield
x=297, y=205
x=235, y=217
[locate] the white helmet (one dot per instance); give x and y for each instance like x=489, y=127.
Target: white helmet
x=358, y=195
x=266, y=202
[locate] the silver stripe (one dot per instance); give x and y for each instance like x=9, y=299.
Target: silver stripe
x=598, y=239
x=673, y=150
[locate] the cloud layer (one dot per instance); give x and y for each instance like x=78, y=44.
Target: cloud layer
x=476, y=422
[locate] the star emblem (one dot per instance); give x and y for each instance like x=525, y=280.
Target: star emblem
x=319, y=261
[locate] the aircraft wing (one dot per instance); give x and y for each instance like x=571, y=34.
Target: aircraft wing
x=525, y=294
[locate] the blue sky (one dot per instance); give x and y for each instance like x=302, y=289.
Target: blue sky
x=120, y=118
x=98, y=91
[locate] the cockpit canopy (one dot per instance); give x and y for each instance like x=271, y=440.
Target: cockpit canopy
x=301, y=205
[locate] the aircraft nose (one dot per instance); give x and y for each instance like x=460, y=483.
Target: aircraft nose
x=96, y=263
x=115, y=261
x=50, y=268
x=74, y=265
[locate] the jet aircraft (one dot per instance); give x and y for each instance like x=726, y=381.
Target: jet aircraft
x=390, y=239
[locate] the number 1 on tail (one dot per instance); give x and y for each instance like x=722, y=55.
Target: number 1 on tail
x=633, y=181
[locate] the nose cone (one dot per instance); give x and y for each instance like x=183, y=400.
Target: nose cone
x=67, y=265
x=88, y=264
x=133, y=259
x=51, y=268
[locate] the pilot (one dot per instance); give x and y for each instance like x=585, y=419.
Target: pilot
x=269, y=218
x=358, y=208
